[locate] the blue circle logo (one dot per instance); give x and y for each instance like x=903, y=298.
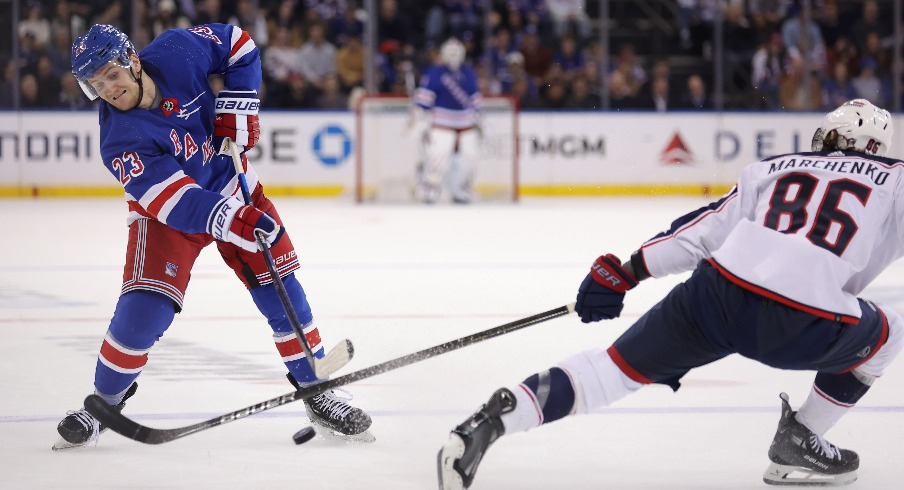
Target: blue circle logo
x=332, y=145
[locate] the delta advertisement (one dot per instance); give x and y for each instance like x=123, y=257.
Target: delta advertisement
x=558, y=154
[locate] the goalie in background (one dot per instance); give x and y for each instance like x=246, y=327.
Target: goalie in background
x=447, y=118
x=777, y=265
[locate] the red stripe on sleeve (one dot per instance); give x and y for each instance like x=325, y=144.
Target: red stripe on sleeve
x=161, y=199
x=625, y=367
x=244, y=38
x=121, y=359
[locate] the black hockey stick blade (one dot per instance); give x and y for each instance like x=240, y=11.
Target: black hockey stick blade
x=119, y=423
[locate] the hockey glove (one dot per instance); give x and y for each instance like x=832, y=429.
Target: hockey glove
x=236, y=119
x=602, y=294
x=233, y=222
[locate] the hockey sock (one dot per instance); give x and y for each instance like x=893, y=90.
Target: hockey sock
x=140, y=319
x=540, y=399
x=267, y=301
x=832, y=396
x=293, y=355
x=598, y=381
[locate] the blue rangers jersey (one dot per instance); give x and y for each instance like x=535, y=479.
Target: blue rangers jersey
x=808, y=230
x=165, y=157
x=452, y=96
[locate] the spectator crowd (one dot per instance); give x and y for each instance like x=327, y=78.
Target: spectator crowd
x=778, y=54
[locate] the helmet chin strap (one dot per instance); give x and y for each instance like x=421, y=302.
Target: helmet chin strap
x=140, y=81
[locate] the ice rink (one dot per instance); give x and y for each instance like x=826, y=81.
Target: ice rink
x=394, y=280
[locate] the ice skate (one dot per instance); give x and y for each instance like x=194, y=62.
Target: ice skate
x=334, y=419
x=457, y=461
x=800, y=457
x=79, y=428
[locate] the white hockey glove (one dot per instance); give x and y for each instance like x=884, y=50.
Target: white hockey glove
x=233, y=222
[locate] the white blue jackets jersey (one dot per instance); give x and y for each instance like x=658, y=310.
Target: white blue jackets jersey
x=809, y=230
x=165, y=157
x=452, y=96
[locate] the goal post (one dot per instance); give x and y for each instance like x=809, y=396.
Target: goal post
x=388, y=151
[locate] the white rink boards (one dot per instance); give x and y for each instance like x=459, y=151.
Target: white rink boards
x=393, y=279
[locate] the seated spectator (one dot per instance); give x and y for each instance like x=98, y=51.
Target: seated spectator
x=71, y=96
x=569, y=16
x=581, y=96
x=799, y=90
x=695, y=97
x=347, y=25
x=630, y=66
x=658, y=98
x=525, y=93
x=318, y=56
x=350, y=63
x=569, y=59
x=48, y=83
x=537, y=57
x=838, y=89
x=620, y=96
x=252, y=20
x=554, y=96
x=867, y=84
x=332, y=96
x=282, y=58
x=28, y=92
x=870, y=22
x=768, y=66
x=7, y=90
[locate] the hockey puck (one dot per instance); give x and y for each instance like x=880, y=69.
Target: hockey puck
x=304, y=435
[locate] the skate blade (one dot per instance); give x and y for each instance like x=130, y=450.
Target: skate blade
x=778, y=474
x=331, y=435
x=62, y=444
x=452, y=451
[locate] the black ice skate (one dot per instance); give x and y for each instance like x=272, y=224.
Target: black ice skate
x=457, y=461
x=800, y=457
x=79, y=428
x=333, y=418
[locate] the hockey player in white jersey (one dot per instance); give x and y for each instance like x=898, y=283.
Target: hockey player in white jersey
x=448, y=116
x=778, y=263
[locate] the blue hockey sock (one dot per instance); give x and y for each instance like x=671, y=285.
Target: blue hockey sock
x=267, y=300
x=140, y=319
x=554, y=393
x=844, y=388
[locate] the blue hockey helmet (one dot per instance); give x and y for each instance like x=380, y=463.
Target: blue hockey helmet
x=94, y=49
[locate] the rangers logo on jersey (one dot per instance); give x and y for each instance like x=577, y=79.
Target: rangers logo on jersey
x=171, y=269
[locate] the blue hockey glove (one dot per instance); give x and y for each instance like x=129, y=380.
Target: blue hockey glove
x=602, y=294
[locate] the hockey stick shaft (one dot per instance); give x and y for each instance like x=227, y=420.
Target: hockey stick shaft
x=336, y=357
x=121, y=424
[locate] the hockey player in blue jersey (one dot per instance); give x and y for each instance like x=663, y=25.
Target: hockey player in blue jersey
x=777, y=265
x=162, y=136
x=448, y=114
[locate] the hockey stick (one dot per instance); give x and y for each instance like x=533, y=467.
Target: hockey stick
x=116, y=421
x=339, y=355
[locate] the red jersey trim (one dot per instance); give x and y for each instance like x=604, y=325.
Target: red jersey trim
x=737, y=281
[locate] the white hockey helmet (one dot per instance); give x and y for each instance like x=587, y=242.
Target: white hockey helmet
x=452, y=53
x=860, y=126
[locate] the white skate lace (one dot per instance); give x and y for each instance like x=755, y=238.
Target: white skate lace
x=338, y=407
x=90, y=423
x=824, y=447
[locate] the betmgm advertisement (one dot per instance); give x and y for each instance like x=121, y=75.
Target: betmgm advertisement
x=559, y=154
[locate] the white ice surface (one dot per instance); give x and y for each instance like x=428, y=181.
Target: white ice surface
x=394, y=280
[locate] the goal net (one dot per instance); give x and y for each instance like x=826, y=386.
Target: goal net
x=388, y=151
